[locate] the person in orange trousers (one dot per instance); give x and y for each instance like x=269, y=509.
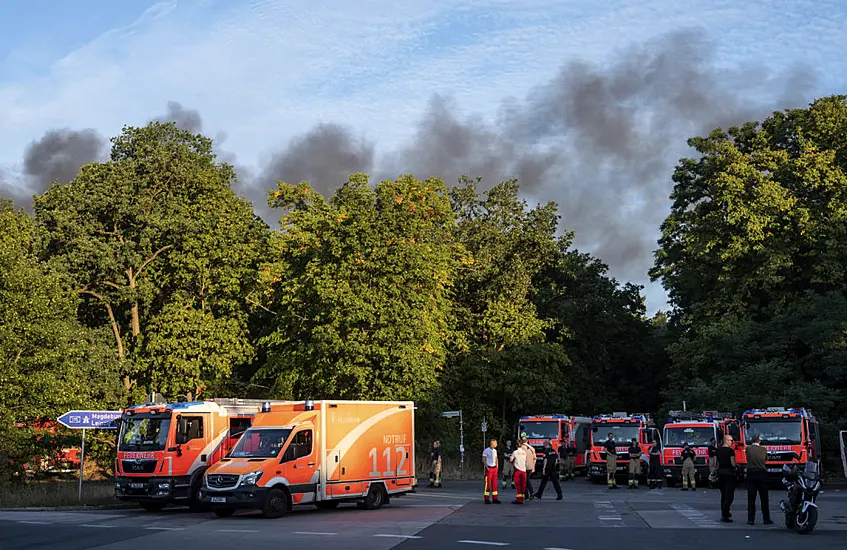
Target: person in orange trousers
x=489, y=462
x=518, y=459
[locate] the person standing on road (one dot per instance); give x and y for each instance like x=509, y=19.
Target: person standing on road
x=688, y=470
x=634, y=453
x=518, y=459
x=757, y=481
x=548, y=469
x=611, y=461
x=726, y=477
x=713, y=462
x=567, y=453
x=435, y=475
x=654, y=470
x=531, y=459
x=508, y=469
x=489, y=462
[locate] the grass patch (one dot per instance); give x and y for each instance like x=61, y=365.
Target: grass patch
x=34, y=494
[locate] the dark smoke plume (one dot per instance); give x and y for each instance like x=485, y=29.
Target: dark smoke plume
x=59, y=155
x=185, y=119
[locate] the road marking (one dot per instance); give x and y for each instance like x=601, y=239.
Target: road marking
x=484, y=542
x=427, y=505
x=399, y=536
x=165, y=528
x=606, y=512
x=36, y=522
x=236, y=530
x=556, y=548
x=694, y=516
x=97, y=526
x=313, y=533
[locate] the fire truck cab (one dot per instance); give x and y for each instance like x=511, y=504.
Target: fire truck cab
x=696, y=429
x=625, y=427
x=561, y=430
x=164, y=448
x=791, y=435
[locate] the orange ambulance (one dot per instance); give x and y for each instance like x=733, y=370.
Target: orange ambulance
x=317, y=452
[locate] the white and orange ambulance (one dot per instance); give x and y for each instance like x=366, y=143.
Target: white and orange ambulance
x=317, y=452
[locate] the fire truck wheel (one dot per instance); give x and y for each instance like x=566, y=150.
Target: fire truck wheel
x=327, y=504
x=276, y=505
x=152, y=506
x=224, y=512
x=376, y=497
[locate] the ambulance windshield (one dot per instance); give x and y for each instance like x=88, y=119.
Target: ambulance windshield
x=541, y=430
x=144, y=434
x=260, y=443
x=677, y=436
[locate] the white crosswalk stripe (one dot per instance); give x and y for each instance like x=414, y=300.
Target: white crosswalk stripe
x=608, y=515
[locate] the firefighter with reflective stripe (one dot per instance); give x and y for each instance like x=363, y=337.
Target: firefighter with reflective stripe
x=518, y=459
x=508, y=469
x=567, y=456
x=688, y=470
x=634, y=453
x=489, y=462
x=654, y=470
x=611, y=461
x=435, y=472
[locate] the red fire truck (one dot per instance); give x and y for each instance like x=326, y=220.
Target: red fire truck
x=789, y=435
x=625, y=427
x=696, y=429
x=165, y=448
x=560, y=429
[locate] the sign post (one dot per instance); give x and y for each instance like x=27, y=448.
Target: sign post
x=454, y=414
x=84, y=420
x=484, y=429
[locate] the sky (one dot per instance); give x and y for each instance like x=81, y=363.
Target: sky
x=588, y=104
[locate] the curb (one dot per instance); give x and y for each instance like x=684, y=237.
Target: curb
x=69, y=508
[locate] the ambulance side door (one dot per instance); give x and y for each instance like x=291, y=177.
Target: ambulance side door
x=299, y=466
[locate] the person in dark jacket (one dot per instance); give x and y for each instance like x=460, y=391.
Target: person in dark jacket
x=726, y=477
x=757, y=481
x=611, y=461
x=548, y=471
x=689, y=472
x=713, y=462
x=508, y=469
x=654, y=471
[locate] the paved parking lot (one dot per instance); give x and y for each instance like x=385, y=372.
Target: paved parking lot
x=453, y=517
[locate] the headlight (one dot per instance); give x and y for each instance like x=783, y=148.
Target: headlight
x=164, y=485
x=252, y=478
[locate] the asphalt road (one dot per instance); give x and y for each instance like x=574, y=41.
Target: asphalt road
x=589, y=517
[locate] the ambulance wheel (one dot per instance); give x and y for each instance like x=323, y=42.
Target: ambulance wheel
x=152, y=506
x=327, y=504
x=276, y=505
x=224, y=512
x=376, y=497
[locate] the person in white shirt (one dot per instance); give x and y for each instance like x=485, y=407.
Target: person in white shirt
x=489, y=462
x=518, y=459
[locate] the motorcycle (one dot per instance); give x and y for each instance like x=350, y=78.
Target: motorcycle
x=800, y=509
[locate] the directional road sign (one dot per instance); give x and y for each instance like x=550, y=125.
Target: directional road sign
x=93, y=420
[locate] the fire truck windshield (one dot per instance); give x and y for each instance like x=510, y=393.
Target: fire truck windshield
x=260, y=443
x=623, y=433
x=144, y=434
x=541, y=430
x=677, y=436
x=775, y=432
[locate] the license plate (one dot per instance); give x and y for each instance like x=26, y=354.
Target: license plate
x=774, y=470
x=136, y=485
x=621, y=468
x=219, y=500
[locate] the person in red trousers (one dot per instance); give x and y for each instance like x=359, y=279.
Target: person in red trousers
x=518, y=459
x=489, y=462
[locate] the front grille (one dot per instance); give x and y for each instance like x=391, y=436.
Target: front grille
x=698, y=461
x=138, y=466
x=221, y=481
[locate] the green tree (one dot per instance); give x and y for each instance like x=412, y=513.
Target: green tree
x=162, y=250
x=358, y=287
x=50, y=362
x=759, y=218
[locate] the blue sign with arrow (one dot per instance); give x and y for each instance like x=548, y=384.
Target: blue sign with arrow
x=94, y=420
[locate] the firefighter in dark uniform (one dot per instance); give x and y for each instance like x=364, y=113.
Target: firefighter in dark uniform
x=654, y=470
x=611, y=461
x=549, y=473
x=688, y=470
x=508, y=468
x=634, y=453
x=567, y=455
